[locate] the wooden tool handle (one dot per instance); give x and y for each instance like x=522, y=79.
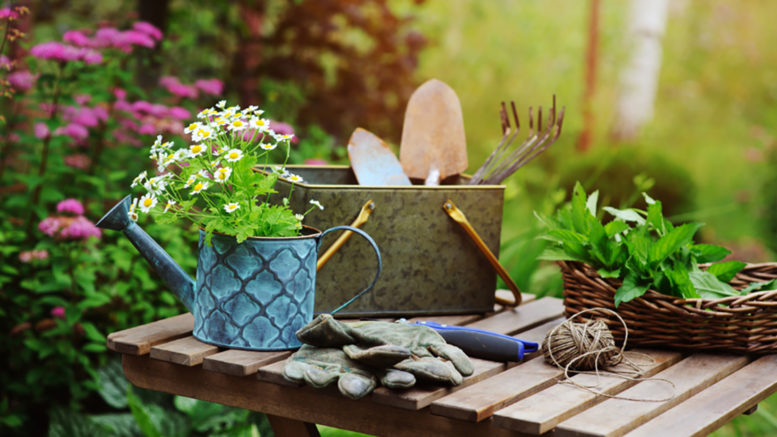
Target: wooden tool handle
x=461, y=219
x=364, y=214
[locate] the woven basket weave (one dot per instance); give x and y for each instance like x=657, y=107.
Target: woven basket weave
x=743, y=324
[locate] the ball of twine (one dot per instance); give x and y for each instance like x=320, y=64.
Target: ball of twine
x=582, y=346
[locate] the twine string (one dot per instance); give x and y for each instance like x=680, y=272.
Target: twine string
x=585, y=347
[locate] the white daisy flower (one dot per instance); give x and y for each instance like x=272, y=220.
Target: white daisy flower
x=279, y=137
x=220, y=121
x=261, y=124
x=317, y=203
x=234, y=155
x=222, y=174
x=180, y=154
x=192, y=179
x=299, y=217
x=196, y=150
x=294, y=178
x=199, y=186
x=133, y=216
x=139, y=179
x=134, y=206
x=170, y=203
x=203, y=133
x=205, y=113
x=147, y=202
x=155, y=185
x=204, y=174
x=221, y=104
x=191, y=127
x=268, y=146
x=231, y=207
x=237, y=125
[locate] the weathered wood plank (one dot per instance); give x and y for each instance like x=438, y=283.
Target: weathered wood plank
x=618, y=416
x=420, y=397
x=513, y=320
x=721, y=402
x=274, y=373
x=541, y=412
x=479, y=401
x=297, y=403
x=241, y=363
x=187, y=351
x=138, y=340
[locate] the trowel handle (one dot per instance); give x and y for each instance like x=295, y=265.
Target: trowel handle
x=364, y=214
x=459, y=217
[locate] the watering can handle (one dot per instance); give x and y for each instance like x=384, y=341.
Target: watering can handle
x=377, y=255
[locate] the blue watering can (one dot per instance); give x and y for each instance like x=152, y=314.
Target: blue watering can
x=252, y=295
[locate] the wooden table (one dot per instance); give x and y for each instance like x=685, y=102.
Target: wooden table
x=500, y=399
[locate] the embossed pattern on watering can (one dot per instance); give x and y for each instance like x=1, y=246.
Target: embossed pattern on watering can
x=254, y=295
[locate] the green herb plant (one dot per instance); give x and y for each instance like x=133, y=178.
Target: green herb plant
x=641, y=248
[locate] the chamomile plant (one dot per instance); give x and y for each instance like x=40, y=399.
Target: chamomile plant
x=214, y=182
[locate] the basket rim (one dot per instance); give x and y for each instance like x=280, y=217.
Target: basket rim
x=698, y=302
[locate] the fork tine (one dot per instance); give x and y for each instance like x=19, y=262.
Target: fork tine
x=539, y=119
x=503, y=118
x=515, y=115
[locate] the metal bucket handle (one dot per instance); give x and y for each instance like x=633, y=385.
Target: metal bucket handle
x=377, y=255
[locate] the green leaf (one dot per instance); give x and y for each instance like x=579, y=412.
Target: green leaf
x=671, y=242
x=707, y=253
x=629, y=290
x=142, y=415
x=759, y=286
x=627, y=215
x=725, y=271
x=609, y=273
x=593, y=199
x=709, y=286
x=558, y=254
x=580, y=212
x=615, y=227
x=112, y=385
x=655, y=218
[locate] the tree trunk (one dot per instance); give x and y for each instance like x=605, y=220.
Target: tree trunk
x=591, y=59
x=248, y=57
x=639, y=78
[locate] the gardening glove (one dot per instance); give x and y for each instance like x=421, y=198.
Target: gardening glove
x=415, y=349
x=320, y=367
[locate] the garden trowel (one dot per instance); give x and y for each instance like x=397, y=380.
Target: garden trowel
x=433, y=143
x=372, y=160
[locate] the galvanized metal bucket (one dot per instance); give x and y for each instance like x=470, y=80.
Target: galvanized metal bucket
x=430, y=265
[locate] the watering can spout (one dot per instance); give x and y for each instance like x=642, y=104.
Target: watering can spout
x=172, y=274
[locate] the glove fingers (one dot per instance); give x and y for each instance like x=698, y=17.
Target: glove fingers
x=318, y=377
x=377, y=356
x=397, y=379
x=355, y=386
x=455, y=355
x=431, y=370
x=325, y=331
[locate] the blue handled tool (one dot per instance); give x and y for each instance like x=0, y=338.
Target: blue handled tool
x=484, y=344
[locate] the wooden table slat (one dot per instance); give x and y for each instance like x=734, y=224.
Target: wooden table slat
x=479, y=401
x=187, y=351
x=617, y=416
x=138, y=340
x=241, y=363
x=541, y=412
x=513, y=320
x=721, y=402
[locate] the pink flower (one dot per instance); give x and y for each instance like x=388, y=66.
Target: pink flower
x=149, y=29
x=56, y=51
x=142, y=105
x=123, y=105
x=41, y=130
x=119, y=93
x=72, y=206
x=21, y=80
x=182, y=90
x=133, y=37
x=73, y=130
x=147, y=129
x=80, y=228
x=91, y=57
x=316, y=161
x=124, y=137
x=32, y=255
x=166, y=81
x=78, y=160
x=5, y=62
x=210, y=86
x=83, y=116
x=158, y=110
x=49, y=225
x=8, y=13
x=180, y=113
x=78, y=38
x=107, y=37
x=58, y=312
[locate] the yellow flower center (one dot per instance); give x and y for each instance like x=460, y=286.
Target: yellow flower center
x=198, y=187
x=260, y=122
x=237, y=123
x=196, y=149
x=222, y=175
x=147, y=202
x=234, y=155
x=203, y=133
x=193, y=126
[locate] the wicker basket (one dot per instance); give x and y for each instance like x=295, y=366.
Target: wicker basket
x=742, y=324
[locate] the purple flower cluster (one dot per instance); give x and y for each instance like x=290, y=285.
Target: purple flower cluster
x=28, y=256
x=142, y=34
x=56, y=51
x=176, y=87
x=71, y=225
